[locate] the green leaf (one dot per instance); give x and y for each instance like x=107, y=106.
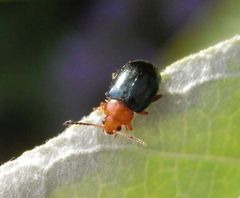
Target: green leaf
x=192, y=132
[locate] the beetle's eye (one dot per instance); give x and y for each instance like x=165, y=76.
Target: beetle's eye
x=119, y=128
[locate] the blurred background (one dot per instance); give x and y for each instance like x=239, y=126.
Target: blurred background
x=57, y=58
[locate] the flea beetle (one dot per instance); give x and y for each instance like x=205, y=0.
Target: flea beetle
x=133, y=88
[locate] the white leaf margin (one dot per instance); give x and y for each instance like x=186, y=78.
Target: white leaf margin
x=38, y=172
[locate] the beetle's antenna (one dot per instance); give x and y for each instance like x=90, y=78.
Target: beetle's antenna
x=71, y=122
x=132, y=138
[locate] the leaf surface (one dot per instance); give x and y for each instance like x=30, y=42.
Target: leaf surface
x=192, y=132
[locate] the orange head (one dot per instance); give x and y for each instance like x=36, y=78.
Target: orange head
x=117, y=114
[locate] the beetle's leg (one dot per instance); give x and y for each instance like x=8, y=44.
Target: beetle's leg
x=143, y=113
x=157, y=97
x=103, y=106
x=129, y=126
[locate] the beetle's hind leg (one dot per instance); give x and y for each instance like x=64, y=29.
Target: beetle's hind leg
x=156, y=97
x=143, y=113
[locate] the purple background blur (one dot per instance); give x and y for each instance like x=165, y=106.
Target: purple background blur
x=57, y=59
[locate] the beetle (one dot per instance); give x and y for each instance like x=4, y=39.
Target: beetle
x=133, y=88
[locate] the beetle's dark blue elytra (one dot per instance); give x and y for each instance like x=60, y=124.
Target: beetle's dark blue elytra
x=136, y=84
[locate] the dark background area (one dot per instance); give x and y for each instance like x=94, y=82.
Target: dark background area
x=57, y=58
